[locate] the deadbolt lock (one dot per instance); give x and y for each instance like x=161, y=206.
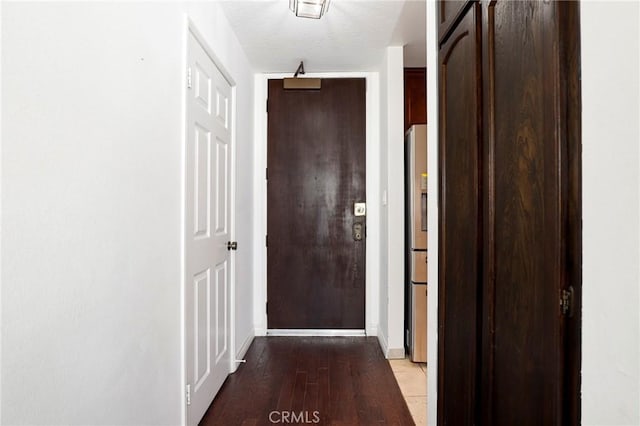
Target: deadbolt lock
x=357, y=232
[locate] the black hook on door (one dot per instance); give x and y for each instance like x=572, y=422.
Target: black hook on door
x=300, y=69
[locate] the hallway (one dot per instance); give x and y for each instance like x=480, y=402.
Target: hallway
x=320, y=380
x=93, y=180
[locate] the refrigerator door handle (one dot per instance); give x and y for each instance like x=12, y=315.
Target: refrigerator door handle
x=423, y=212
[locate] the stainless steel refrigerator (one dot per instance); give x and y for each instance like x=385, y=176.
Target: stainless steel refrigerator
x=416, y=233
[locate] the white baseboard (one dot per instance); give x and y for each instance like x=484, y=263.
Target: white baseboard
x=372, y=330
x=382, y=340
x=395, y=353
x=242, y=351
x=389, y=353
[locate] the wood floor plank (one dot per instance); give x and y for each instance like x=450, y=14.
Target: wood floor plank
x=299, y=391
x=311, y=398
x=338, y=380
x=324, y=394
x=341, y=390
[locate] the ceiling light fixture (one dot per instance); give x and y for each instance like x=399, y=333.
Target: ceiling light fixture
x=309, y=8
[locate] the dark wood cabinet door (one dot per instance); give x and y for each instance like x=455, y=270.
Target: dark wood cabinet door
x=459, y=240
x=448, y=13
x=415, y=97
x=510, y=216
x=526, y=211
x=316, y=172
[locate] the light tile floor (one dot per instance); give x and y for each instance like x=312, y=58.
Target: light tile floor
x=412, y=379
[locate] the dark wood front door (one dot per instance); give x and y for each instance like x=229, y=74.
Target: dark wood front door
x=510, y=218
x=316, y=172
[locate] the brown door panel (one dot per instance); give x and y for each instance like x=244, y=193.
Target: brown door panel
x=510, y=215
x=526, y=174
x=449, y=12
x=316, y=172
x=459, y=223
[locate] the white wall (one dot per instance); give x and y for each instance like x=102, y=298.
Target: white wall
x=91, y=198
x=383, y=329
x=610, y=136
x=395, y=200
x=611, y=229
x=0, y=219
x=260, y=206
x=391, y=332
x=374, y=201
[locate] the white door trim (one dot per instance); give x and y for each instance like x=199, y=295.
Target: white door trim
x=190, y=28
x=432, y=212
x=372, y=256
x=314, y=332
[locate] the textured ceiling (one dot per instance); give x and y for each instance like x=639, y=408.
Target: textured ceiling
x=352, y=36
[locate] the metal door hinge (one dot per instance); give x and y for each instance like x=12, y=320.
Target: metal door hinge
x=188, y=393
x=189, y=78
x=566, y=302
x=266, y=173
x=267, y=107
x=266, y=308
x=232, y=245
x=266, y=241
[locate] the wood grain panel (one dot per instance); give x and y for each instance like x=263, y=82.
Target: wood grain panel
x=525, y=367
x=571, y=106
x=316, y=163
x=415, y=97
x=459, y=222
x=525, y=214
x=527, y=260
x=449, y=12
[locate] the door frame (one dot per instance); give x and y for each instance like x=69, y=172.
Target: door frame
x=191, y=28
x=372, y=251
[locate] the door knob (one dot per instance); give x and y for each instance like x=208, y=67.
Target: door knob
x=232, y=245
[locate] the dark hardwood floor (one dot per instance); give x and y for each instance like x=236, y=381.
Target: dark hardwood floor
x=311, y=380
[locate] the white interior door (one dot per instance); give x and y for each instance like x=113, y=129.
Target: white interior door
x=207, y=215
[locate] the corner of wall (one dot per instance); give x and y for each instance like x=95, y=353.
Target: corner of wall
x=259, y=205
x=383, y=206
x=372, y=314
x=432, y=208
x=389, y=353
x=382, y=339
x=395, y=198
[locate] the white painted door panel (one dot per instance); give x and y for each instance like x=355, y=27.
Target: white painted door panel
x=207, y=213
